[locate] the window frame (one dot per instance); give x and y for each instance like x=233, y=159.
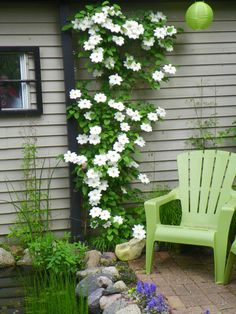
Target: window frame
x=37, y=80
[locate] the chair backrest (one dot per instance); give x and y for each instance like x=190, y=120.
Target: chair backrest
x=205, y=184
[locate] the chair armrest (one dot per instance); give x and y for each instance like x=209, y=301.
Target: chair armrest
x=226, y=215
x=152, y=206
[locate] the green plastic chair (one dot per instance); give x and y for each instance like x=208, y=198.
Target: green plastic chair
x=208, y=203
x=230, y=261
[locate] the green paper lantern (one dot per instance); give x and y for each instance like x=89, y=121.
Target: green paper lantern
x=199, y=15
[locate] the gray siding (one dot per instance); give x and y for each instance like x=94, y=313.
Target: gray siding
x=28, y=24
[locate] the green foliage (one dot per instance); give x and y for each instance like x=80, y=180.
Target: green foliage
x=32, y=203
x=205, y=134
x=50, y=293
x=57, y=255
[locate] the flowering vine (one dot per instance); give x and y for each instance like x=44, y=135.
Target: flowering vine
x=120, y=53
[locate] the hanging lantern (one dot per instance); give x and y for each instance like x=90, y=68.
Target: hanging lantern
x=199, y=15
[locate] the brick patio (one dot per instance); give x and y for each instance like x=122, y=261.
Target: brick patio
x=187, y=280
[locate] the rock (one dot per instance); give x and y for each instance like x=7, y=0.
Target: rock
x=87, y=285
x=93, y=301
x=110, y=270
x=108, y=258
x=104, y=281
x=88, y=271
x=92, y=258
x=111, y=290
x=130, y=309
x=105, y=301
x=115, y=306
x=120, y=285
x=130, y=250
x=6, y=258
x=26, y=260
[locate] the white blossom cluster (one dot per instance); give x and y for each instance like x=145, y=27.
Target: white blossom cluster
x=102, y=26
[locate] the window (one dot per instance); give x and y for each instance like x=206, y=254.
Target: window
x=20, y=81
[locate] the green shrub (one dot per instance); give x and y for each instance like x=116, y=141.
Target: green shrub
x=57, y=255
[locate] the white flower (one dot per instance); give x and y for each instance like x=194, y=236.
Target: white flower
x=143, y=178
x=67, y=156
x=97, y=73
x=169, y=68
x=156, y=17
x=95, y=130
x=131, y=64
x=136, y=116
x=88, y=115
x=115, y=79
x=119, y=40
x=94, y=197
x=105, y=215
x=116, y=105
x=88, y=45
x=139, y=232
x=161, y=112
x=107, y=225
x=99, y=17
x=92, y=182
x=158, y=76
x=118, y=219
x=146, y=127
x=95, y=39
x=113, y=172
x=133, y=164
x=74, y=158
x=123, y=139
x=103, y=185
x=133, y=29
x=124, y=126
x=95, y=212
x=84, y=104
x=171, y=30
x=82, y=139
x=75, y=93
x=113, y=156
x=149, y=42
x=140, y=141
x=93, y=30
x=100, y=97
x=97, y=55
x=109, y=63
x=160, y=32
x=123, y=190
x=94, y=139
x=82, y=24
x=93, y=174
x=119, y=116
x=100, y=160
x=118, y=147
x=152, y=116
x=81, y=159
x=114, y=28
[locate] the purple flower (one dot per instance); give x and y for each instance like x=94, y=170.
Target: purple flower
x=153, y=288
x=139, y=287
x=152, y=303
x=207, y=312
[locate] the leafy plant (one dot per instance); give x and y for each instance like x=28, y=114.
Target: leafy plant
x=122, y=52
x=32, y=203
x=50, y=293
x=205, y=135
x=57, y=255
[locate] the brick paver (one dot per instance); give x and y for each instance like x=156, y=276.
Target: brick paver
x=187, y=280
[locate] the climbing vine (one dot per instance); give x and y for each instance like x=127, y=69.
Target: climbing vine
x=121, y=53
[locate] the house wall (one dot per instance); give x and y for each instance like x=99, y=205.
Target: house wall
x=206, y=74
x=35, y=24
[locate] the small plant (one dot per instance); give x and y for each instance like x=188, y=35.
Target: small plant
x=49, y=293
x=148, y=299
x=57, y=255
x=32, y=203
x=205, y=134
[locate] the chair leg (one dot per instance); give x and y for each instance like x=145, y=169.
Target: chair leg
x=229, y=267
x=149, y=255
x=219, y=261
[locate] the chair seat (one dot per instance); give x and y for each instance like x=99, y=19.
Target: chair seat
x=185, y=235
